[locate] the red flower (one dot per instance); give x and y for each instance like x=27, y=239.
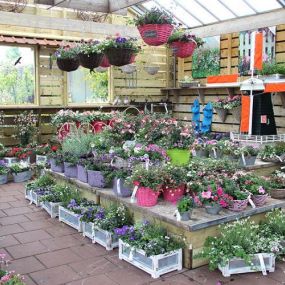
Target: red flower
x=136, y=183
x=54, y=148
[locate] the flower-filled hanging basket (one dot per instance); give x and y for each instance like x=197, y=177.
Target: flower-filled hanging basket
x=183, y=49
x=155, y=34
x=222, y=113
x=105, y=62
x=90, y=61
x=119, y=56
x=68, y=64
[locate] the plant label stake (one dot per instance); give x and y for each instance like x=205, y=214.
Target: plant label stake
x=133, y=197
x=243, y=159
x=119, y=186
x=251, y=202
x=215, y=153
x=178, y=216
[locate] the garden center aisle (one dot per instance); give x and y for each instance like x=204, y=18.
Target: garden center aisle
x=49, y=252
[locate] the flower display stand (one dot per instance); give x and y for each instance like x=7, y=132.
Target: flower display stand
x=107, y=239
x=237, y=265
x=155, y=265
x=69, y=218
x=51, y=208
x=87, y=230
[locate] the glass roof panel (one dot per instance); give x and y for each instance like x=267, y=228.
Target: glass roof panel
x=239, y=7
x=264, y=5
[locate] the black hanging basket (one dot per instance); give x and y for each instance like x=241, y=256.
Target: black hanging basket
x=119, y=56
x=68, y=64
x=90, y=61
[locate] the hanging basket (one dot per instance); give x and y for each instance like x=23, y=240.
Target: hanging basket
x=68, y=64
x=119, y=56
x=152, y=70
x=129, y=68
x=105, y=62
x=101, y=69
x=222, y=113
x=236, y=113
x=183, y=49
x=90, y=61
x=155, y=34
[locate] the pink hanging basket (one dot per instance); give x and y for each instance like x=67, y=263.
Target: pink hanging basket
x=183, y=49
x=98, y=126
x=238, y=205
x=155, y=34
x=63, y=131
x=105, y=62
x=173, y=194
x=146, y=197
x=259, y=200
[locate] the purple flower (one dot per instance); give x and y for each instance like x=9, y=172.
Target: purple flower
x=72, y=204
x=120, y=40
x=100, y=214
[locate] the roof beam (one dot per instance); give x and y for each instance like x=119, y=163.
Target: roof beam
x=122, y=4
x=261, y=20
x=44, y=22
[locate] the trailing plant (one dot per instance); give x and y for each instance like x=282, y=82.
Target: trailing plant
x=185, y=36
x=19, y=167
x=90, y=47
x=118, y=42
x=66, y=52
x=185, y=204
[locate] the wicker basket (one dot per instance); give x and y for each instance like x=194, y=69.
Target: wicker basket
x=222, y=113
x=146, y=197
x=277, y=193
x=119, y=56
x=68, y=64
x=183, y=49
x=259, y=200
x=155, y=34
x=90, y=61
x=238, y=205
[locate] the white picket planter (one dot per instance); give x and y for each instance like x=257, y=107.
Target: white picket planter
x=36, y=199
x=107, y=239
x=41, y=159
x=87, y=230
x=10, y=160
x=51, y=208
x=238, y=265
x=155, y=265
x=69, y=218
x=28, y=194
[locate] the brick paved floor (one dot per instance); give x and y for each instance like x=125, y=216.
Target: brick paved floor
x=48, y=252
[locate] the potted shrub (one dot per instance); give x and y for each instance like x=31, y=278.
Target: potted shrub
x=150, y=248
x=155, y=27
x=183, y=43
x=185, y=206
x=4, y=170
x=277, y=185
x=90, y=54
x=67, y=58
x=120, y=51
x=120, y=188
x=21, y=171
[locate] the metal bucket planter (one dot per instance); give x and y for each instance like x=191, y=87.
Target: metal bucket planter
x=222, y=114
x=69, y=218
x=56, y=167
x=120, y=189
x=259, y=200
x=238, y=205
x=213, y=210
x=107, y=239
x=277, y=193
x=22, y=176
x=52, y=208
x=238, y=265
x=82, y=173
x=41, y=159
x=3, y=179
x=87, y=230
x=155, y=265
x=95, y=178
x=10, y=160
x=201, y=153
x=216, y=155
x=70, y=170
x=186, y=216
x=236, y=113
x=248, y=161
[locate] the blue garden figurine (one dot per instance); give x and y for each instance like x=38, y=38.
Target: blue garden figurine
x=196, y=115
x=207, y=120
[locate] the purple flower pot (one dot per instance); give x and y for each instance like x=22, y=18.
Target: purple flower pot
x=82, y=173
x=70, y=170
x=95, y=178
x=120, y=189
x=56, y=167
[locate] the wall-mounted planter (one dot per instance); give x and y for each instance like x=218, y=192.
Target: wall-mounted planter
x=222, y=114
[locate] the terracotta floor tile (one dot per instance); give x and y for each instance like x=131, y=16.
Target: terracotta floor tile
x=36, y=225
x=2, y=214
x=10, y=229
x=37, y=216
x=60, y=243
x=30, y=236
x=17, y=211
x=98, y=280
x=26, y=265
x=9, y=220
x=59, y=230
x=89, y=250
x=4, y=205
x=28, y=280
x=8, y=240
x=19, y=203
x=6, y=199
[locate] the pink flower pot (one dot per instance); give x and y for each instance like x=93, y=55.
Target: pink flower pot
x=173, y=194
x=146, y=197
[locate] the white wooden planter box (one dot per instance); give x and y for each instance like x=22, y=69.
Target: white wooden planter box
x=41, y=159
x=107, y=239
x=10, y=160
x=36, y=199
x=51, y=208
x=28, y=194
x=155, y=265
x=237, y=265
x=87, y=230
x=69, y=218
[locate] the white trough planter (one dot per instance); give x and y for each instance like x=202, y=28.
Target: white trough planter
x=107, y=239
x=237, y=265
x=41, y=159
x=51, y=208
x=36, y=199
x=155, y=265
x=87, y=230
x=10, y=160
x=28, y=195
x=69, y=218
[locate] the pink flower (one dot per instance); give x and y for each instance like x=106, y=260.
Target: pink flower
x=223, y=203
x=206, y=194
x=5, y=278
x=220, y=191
x=261, y=190
x=197, y=201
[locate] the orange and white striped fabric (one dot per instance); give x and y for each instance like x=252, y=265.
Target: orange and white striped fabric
x=256, y=50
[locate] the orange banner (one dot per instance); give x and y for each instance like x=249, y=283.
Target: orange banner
x=222, y=78
x=274, y=87
x=258, y=49
x=245, y=108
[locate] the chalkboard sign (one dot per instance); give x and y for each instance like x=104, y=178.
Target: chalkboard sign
x=150, y=34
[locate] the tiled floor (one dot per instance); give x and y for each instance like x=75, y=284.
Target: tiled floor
x=48, y=252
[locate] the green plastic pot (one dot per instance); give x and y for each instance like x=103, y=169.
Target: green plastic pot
x=179, y=156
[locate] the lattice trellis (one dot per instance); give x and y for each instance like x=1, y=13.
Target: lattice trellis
x=91, y=16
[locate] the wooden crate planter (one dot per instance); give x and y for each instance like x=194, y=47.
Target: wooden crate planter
x=10, y=160
x=237, y=265
x=87, y=230
x=107, y=239
x=155, y=265
x=28, y=195
x=51, y=208
x=69, y=218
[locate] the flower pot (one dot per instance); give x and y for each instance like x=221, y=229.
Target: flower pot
x=70, y=170
x=238, y=205
x=277, y=193
x=151, y=70
x=52, y=208
x=222, y=113
x=186, y=216
x=183, y=49
x=216, y=155
x=98, y=126
x=22, y=176
x=155, y=34
x=120, y=189
x=82, y=173
x=248, y=161
x=146, y=197
x=107, y=239
x=95, y=178
x=119, y=56
x=105, y=62
x=3, y=179
x=236, y=113
x=68, y=64
x=213, y=210
x=179, y=156
x=173, y=194
x=70, y=218
x=90, y=61
x=259, y=200
x=56, y=167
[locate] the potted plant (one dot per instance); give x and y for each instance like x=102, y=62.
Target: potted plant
x=21, y=171
x=183, y=43
x=272, y=70
x=56, y=160
x=82, y=169
x=199, y=149
x=247, y=155
x=277, y=185
x=120, y=188
x=90, y=54
x=155, y=26
x=70, y=165
x=150, y=248
x=4, y=170
x=41, y=153
x=188, y=82
x=233, y=104
x=219, y=106
x=120, y=51
x=67, y=58
x=214, y=148
x=273, y=153
x=9, y=155
x=185, y=206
